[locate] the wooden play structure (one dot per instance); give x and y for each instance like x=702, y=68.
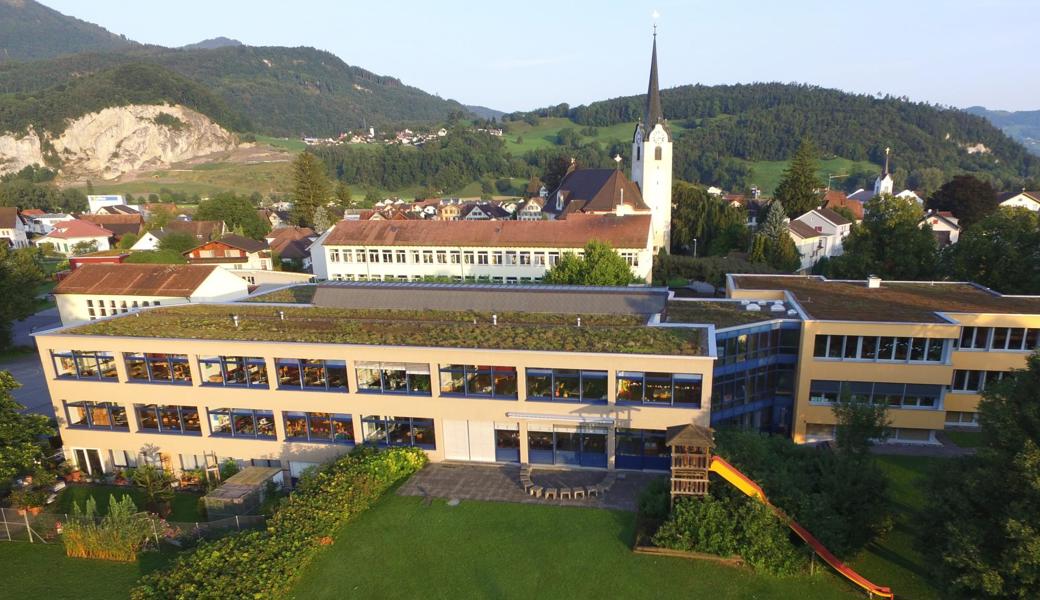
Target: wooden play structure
x=691, y=457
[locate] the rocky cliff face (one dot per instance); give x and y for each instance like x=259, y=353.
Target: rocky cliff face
x=120, y=140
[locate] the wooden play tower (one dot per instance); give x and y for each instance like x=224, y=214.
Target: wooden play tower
x=691, y=456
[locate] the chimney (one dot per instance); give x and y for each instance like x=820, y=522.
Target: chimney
x=873, y=282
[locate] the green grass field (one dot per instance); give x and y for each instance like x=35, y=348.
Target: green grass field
x=766, y=173
x=185, y=506
x=208, y=179
x=290, y=144
x=43, y=571
x=543, y=135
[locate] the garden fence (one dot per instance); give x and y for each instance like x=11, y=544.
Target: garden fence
x=46, y=527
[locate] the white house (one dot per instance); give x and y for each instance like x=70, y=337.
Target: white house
x=819, y=233
x=12, y=228
x=42, y=223
x=945, y=226
x=96, y=203
x=1023, y=199
x=909, y=195
x=531, y=210
x=93, y=291
x=66, y=235
x=471, y=251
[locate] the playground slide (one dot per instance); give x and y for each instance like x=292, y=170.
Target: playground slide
x=749, y=487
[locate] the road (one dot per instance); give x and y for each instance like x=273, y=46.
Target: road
x=26, y=368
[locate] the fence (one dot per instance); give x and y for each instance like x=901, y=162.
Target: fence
x=46, y=527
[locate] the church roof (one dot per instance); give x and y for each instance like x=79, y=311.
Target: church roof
x=597, y=191
x=653, y=113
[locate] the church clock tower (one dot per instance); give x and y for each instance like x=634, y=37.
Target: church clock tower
x=652, y=160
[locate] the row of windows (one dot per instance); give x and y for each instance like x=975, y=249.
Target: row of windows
x=669, y=389
x=97, y=308
x=567, y=385
x=739, y=348
x=446, y=257
x=879, y=348
x=751, y=385
x=435, y=278
x=999, y=338
x=965, y=380
x=895, y=395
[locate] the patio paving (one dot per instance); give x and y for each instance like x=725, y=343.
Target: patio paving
x=501, y=483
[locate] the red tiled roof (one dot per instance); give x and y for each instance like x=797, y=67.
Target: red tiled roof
x=120, y=224
x=77, y=228
x=33, y=212
x=135, y=280
x=834, y=199
x=573, y=232
x=281, y=238
x=8, y=217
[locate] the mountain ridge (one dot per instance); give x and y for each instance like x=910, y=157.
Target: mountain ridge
x=1022, y=125
x=30, y=30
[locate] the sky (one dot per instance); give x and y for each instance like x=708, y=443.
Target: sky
x=533, y=53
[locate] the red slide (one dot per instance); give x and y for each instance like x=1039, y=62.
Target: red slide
x=745, y=484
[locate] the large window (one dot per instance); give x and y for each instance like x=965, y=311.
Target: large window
x=394, y=378
x=399, y=431
x=737, y=348
x=975, y=381
x=567, y=385
x=481, y=381
x=242, y=422
x=895, y=395
x=85, y=364
x=97, y=415
x=879, y=348
x=665, y=389
x=312, y=374
x=319, y=427
x=158, y=368
x=1014, y=339
x=561, y=445
x=245, y=371
x=641, y=449
x=153, y=418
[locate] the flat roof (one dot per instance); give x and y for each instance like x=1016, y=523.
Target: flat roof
x=723, y=313
x=296, y=294
x=894, y=301
x=611, y=334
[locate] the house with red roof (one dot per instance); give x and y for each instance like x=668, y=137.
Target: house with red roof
x=76, y=237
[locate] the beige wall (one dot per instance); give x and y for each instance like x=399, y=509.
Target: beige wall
x=435, y=407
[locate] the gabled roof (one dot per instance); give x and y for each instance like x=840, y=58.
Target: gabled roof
x=135, y=280
x=9, y=218
x=202, y=230
x=493, y=211
x=597, y=190
x=118, y=209
x=1032, y=195
x=802, y=230
x=33, y=212
x=861, y=195
x=282, y=238
x=574, y=232
x=77, y=228
x=835, y=198
x=943, y=215
x=690, y=435
x=832, y=216
x=242, y=243
x=119, y=224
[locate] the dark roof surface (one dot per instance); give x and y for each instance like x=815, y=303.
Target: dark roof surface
x=802, y=230
x=243, y=243
x=134, y=280
x=8, y=217
x=202, y=230
x=895, y=301
x=597, y=190
x=832, y=216
x=119, y=224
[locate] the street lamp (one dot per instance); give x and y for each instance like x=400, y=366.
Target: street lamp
x=695, y=247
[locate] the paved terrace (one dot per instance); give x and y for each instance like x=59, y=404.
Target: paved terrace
x=894, y=301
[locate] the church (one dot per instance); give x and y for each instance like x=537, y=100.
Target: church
x=649, y=189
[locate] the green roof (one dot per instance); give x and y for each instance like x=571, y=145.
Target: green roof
x=722, y=313
x=297, y=294
x=615, y=334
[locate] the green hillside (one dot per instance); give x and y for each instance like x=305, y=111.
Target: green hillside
x=1022, y=125
x=30, y=30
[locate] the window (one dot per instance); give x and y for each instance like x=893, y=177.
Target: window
x=963, y=419
x=525, y=258
x=360, y=255
x=242, y=422
x=567, y=385
x=442, y=257
x=427, y=257
x=975, y=338
x=153, y=418
x=682, y=390
x=373, y=256
x=400, y=256
x=824, y=391
x=482, y=258
x=496, y=258
x=562, y=445
x=157, y=368
x=855, y=347
x=657, y=153
x=399, y=431
x=455, y=257
x=483, y=381
x=468, y=258
x=312, y=374
x=895, y=395
x=394, y=378
x=334, y=255
x=79, y=364
x=319, y=427
x=248, y=371
x=641, y=449
x=972, y=381
x=97, y=415
x=388, y=256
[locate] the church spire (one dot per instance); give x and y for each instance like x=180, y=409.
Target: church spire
x=887, y=151
x=653, y=92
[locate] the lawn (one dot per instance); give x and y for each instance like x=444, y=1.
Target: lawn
x=766, y=173
x=185, y=506
x=402, y=548
x=208, y=179
x=543, y=135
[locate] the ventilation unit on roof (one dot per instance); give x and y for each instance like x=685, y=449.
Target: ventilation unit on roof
x=744, y=302
x=754, y=307
x=792, y=312
x=777, y=308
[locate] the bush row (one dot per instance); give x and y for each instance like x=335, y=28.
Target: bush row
x=264, y=564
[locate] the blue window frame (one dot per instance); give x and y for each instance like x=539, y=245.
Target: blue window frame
x=642, y=449
x=157, y=368
x=85, y=365
x=241, y=422
x=96, y=415
x=233, y=371
x=153, y=418
x=659, y=389
x=393, y=378
x=567, y=446
x=895, y=395
x=567, y=385
x=479, y=381
x=312, y=374
x=507, y=444
x=329, y=428
x=399, y=431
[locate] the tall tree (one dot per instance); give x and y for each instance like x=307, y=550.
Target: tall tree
x=20, y=433
x=1002, y=252
x=601, y=265
x=310, y=188
x=967, y=197
x=799, y=188
x=344, y=198
x=237, y=212
x=773, y=244
x=889, y=243
x=20, y=276
x=716, y=226
x=775, y=224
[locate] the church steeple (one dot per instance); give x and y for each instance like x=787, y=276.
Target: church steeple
x=652, y=159
x=887, y=151
x=653, y=114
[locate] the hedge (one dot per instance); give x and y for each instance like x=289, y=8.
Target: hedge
x=264, y=564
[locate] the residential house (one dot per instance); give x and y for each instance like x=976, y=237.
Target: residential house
x=202, y=231
x=118, y=209
x=66, y=236
x=818, y=233
x=910, y=195
x=42, y=223
x=834, y=199
x=94, y=291
x=292, y=244
x=530, y=209
x=448, y=212
x=120, y=224
x=96, y=202
x=483, y=211
x=945, y=226
x=232, y=252
x=13, y=228
x=1023, y=199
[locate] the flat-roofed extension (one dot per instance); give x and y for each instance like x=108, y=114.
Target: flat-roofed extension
x=892, y=301
x=614, y=334
x=722, y=313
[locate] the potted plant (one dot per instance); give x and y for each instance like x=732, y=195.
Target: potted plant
x=120, y=478
x=69, y=471
x=29, y=500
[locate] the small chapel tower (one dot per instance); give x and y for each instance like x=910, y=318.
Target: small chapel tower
x=652, y=160
x=883, y=184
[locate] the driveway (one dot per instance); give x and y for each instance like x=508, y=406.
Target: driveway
x=26, y=368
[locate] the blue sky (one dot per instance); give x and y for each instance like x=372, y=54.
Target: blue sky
x=531, y=53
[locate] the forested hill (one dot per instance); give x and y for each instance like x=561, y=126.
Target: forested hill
x=30, y=30
x=1022, y=125
x=766, y=121
x=281, y=91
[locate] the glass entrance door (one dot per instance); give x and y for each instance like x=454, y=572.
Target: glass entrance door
x=89, y=461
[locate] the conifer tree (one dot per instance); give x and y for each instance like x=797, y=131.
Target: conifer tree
x=310, y=188
x=799, y=187
x=775, y=224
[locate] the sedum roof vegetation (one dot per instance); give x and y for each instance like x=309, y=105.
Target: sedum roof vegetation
x=614, y=334
x=722, y=314
x=298, y=294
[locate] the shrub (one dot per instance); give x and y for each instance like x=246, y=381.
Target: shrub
x=264, y=564
x=655, y=500
x=119, y=535
x=228, y=468
x=156, y=484
x=730, y=525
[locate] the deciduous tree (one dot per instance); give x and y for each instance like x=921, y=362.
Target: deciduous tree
x=236, y=212
x=718, y=227
x=601, y=265
x=20, y=276
x=967, y=197
x=1002, y=252
x=890, y=243
x=20, y=433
